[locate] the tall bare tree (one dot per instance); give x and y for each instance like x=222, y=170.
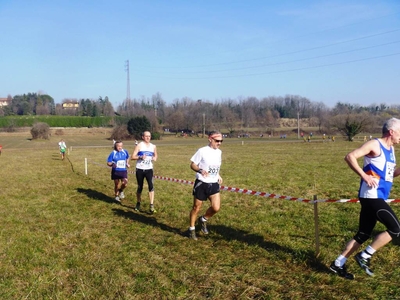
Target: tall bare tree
x=229, y=119
x=321, y=114
x=175, y=121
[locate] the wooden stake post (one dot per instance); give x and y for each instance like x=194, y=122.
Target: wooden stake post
x=316, y=226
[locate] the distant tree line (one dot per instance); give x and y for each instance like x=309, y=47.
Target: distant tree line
x=228, y=115
x=242, y=114
x=33, y=104
x=12, y=122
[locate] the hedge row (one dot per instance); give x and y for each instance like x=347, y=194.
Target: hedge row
x=57, y=121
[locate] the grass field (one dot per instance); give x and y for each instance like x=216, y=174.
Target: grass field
x=63, y=237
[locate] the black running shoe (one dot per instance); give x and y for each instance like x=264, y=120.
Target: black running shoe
x=364, y=264
x=341, y=271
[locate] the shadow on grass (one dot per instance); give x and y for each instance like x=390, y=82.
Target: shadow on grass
x=70, y=162
x=148, y=219
x=96, y=195
x=58, y=157
x=228, y=233
x=251, y=239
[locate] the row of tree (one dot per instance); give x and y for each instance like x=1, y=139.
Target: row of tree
x=228, y=115
x=239, y=115
x=40, y=104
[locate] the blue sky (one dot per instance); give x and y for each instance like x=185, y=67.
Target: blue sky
x=327, y=51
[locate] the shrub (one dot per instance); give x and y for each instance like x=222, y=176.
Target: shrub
x=40, y=130
x=120, y=133
x=155, y=136
x=10, y=128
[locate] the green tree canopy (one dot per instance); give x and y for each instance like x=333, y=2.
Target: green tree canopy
x=137, y=125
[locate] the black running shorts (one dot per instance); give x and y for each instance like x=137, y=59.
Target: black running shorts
x=118, y=174
x=203, y=190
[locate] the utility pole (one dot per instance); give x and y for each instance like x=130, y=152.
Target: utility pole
x=204, y=124
x=298, y=119
x=298, y=124
x=128, y=84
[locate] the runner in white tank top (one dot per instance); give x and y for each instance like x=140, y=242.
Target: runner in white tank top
x=145, y=154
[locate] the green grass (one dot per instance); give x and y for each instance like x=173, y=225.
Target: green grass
x=62, y=237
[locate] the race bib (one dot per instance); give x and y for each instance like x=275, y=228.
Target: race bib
x=121, y=164
x=390, y=167
x=146, y=161
x=213, y=171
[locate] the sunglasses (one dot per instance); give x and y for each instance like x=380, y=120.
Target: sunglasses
x=218, y=141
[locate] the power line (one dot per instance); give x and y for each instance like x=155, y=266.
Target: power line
x=300, y=36
x=283, y=71
x=283, y=63
x=283, y=54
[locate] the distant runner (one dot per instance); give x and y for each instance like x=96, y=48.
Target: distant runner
x=63, y=147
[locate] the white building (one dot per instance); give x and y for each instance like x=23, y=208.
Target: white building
x=5, y=101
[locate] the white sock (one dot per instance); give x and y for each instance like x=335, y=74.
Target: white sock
x=340, y=261
x=192, y=228
x=368, y=252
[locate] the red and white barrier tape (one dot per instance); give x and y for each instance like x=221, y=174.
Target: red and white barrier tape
x=262, y=194
x=268, y=195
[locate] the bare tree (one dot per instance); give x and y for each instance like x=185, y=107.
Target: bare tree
x=175, y=121
x=271, y=119
x=352, y=124
x=151, y=116
x=321, y=114
x=247, y=111
x=127, y=108
x=229, y=119
x=159, y=105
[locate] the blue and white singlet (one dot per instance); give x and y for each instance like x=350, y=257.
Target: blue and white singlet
x=148, y=150
x=382, y=168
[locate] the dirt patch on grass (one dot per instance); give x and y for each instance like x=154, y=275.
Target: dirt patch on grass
x=80, y=131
